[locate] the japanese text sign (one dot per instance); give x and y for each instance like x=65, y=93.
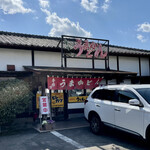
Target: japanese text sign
x=89, y=47
x=80, y=83
x=71, y=83
x=55, y=83
x=52, y=83
x=44, y=105
x=57, y=100
x=77, y=99
x=62, y=83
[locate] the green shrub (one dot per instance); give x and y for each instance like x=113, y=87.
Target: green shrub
x=15, y=97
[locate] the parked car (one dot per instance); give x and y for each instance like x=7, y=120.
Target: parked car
x=126, y=107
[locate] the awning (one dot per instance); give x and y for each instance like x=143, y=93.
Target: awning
x=15, y=73
x=76, y=71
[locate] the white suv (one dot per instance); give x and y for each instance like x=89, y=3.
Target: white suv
x=126, y=107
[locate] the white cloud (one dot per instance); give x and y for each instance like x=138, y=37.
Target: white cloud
x=106, y=5
x=13, y=7
x=90, y=5
x=63, y=26
x=145, y=27
x=141, y=38
x=107, y=1
x=44, y=3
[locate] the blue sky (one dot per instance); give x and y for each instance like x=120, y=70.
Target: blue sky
x=123, y=22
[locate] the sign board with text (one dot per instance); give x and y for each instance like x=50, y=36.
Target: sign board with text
x=77, y=99
x=57, y=100
x=84, y=48
x=44, y=105
x=61, y=83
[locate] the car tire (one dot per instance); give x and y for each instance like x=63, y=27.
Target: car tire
x=148, y=137
x=96, y=125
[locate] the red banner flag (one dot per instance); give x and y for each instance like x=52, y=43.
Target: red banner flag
x=79, y=83
x=88, y=83
x=55, y=83
x=71, y=83
x=96, y=82
x=62, y=83
x=52, y=83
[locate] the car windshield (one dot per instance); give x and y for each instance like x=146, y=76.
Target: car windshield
x=145, y=93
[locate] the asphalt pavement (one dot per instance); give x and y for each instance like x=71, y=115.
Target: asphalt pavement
x=73, y=134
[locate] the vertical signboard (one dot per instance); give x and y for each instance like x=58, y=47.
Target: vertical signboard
x=44, y=105
x=57, y=100
x=37, y=99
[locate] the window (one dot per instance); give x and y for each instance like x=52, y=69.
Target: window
x=76, y=92
x=145, y=92
x=125, y=96
x=105, y=95
x=88, y=91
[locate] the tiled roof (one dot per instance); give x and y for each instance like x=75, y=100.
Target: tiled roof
x=116, y=50
x=27, y=41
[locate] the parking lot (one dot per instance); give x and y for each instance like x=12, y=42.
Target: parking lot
x=72, y=138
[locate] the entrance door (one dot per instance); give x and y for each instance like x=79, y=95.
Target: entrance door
x=57, y=104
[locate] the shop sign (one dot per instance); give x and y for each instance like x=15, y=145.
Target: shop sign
x=44, y=105
x=58, y=83
x=77, y=99
x=83, y=47
x=37, y=100
x=57, y=100
x=70, y=83
x=90, y=48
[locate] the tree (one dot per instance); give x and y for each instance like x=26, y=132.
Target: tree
x=15, y=97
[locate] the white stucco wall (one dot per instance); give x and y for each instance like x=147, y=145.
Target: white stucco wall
x=79, y=63
x=21, y=58
x=99, y=64
x=144, y=66
x=113, y=62
x=15, y=57
x=51, y=59
x=129, y=64
x=75, y=105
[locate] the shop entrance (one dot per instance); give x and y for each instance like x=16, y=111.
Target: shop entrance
x=65, y=102
x=69, y=93
x=57, y=103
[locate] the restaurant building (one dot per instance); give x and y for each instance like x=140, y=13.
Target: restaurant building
x=67, y=68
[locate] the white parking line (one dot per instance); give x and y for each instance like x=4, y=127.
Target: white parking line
x=68, y=140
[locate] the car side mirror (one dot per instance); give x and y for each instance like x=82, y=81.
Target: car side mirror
x=135, y=102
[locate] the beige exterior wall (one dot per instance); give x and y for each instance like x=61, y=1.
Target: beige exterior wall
x=50, y=59
x=145, y=67
x=129, y=64
x=19, y=58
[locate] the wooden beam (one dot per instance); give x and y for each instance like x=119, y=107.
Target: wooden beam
x=139, y=66
x=117, y=63
x=32, y=55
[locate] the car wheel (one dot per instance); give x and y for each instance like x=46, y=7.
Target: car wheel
x=96, y=124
